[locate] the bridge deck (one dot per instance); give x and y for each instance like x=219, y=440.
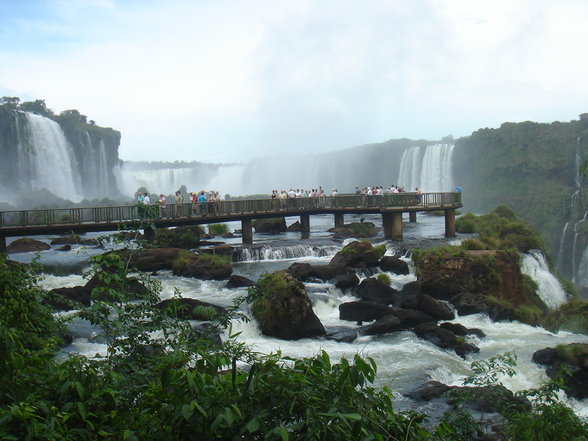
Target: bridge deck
x=80, y=220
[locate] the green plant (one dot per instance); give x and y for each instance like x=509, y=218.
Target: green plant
x=217, y=229
x=384, y=278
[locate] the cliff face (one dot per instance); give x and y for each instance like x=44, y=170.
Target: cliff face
x=64, y=154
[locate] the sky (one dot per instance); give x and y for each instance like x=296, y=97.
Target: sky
x=225, y=81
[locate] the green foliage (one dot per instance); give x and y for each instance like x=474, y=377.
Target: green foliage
x=181, y=237
x=217, y=229
x=384, y=278
x=571, y=316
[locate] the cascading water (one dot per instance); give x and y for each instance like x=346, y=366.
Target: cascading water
x=549, y=289
x=409, y=176
x=433, y=174
x=50, y=162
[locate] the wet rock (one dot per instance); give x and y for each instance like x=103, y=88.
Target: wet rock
x=375, y=290
x=575, y=357
x=409, y=296
x=384, y=325
x=346, y=281
x=435, y=308
x=468, y=303
x=461, y=330
x=394, y=265
x=64, y=248
x=270, y=226
x=341, y=334
x=66, y=299
x=236, y=281
x=444, y=339
x=284, y=309
x=296, y=226
x=26, y=245
x=358, y=255
x=190, y=309
x=363, y=311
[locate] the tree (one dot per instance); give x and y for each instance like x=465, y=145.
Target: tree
x=37, y=106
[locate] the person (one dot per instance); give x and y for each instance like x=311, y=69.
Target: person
x=146, y=200
x=458, y=188
x=179, y=202
x=163, y=205
x=334, y=197
x=419, y=194
x=202, y=202
x=140, y=207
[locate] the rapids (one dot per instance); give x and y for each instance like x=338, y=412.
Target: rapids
x=404, y=361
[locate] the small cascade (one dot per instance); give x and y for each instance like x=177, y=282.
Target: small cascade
x=268, y=252
x=49, y=161
x=410, y=169
x=549, y=289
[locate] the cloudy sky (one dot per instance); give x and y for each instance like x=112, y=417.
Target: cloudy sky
x=229, y=80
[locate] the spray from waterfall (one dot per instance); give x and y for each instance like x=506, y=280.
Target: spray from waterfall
x=432, y=173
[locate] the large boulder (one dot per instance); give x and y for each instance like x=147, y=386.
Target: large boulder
x=411, y=318
x=202, y=266
x=270, y=225
x=304, y=271
x=359, y=255
x=66, y=299
x=236, y=281
x=461, y=330
x=375, y=290
x=153, y=259
x=409, y=296
x=468, y=303
x=363, y=311
x=355, y=229
x=341, y=334
x=185, y=237
x=394, y=265
x=346, y=281
x=575, y=357
x=26, y=245
x=283, y=309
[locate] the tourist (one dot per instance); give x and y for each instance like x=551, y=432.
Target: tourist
x=202, y=202
x=163, y=205
x=179, y=202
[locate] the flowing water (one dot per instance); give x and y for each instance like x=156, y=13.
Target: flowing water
x=404, y=361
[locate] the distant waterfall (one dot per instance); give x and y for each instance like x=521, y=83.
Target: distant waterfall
x=410, y=166
x=48, y=161
x=434, y=173
x=549, y=289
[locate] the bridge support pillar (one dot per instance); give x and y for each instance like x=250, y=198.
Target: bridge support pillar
x=412, y=216
x=449, y=223
x=339, y=220
x=305, y=223
x=2, y=244
x=392, y=223
x=149, y=233
x=247, y=231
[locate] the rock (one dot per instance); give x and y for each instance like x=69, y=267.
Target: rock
x=66, y=299
x=375, y=290
x=428, y=391
x=133, y=289
x=190, y=309
x=363, y=311
x=284, y=309
x=300, y=270
x=223, y=250
x=444, y=339
x=355, y=229
x=154, y=259
x=411, y=318
x=575, y=357
x=71, y=239
x=26, y=245
x=467, y=303
x=64, y=248
x=296, y=226
x=386, y=324
x=185, y=237
x=341, y=334
x=346, y=281
x=358, y=255
x=394, y=264
x=409, y=296
x=435, y=308
x=236, y=281
x=461, y=330
x=270, y=226
x=202, y=266
x=305, y=271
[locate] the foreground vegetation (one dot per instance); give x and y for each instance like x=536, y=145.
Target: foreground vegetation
x=162, y=379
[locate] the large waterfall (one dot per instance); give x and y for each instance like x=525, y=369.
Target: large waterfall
x=431, y=173
x=47, y=161
x=549, y=289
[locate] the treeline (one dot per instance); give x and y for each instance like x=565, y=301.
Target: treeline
x=40, y=107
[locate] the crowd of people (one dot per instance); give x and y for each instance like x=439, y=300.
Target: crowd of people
x=196, y=203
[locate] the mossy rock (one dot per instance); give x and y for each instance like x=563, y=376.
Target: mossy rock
x=571, y=316
x=283, y=309
x=27, y=245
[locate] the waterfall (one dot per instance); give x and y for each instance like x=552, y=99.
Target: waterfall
x=549, y=289
x=49, y=161
x=268, y=252
x=433, y=174
x=410, y=169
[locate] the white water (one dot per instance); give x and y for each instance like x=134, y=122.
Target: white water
x=550, y=290
x=404, y=361
x=434, y=173
x=50, y=163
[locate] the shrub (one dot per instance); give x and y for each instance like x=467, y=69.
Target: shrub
x=217, y=229
x=384, y=278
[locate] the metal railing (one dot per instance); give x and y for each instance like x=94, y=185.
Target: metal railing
x=208, y=211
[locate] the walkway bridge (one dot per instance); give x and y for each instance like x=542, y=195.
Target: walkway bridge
x=83, y=220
